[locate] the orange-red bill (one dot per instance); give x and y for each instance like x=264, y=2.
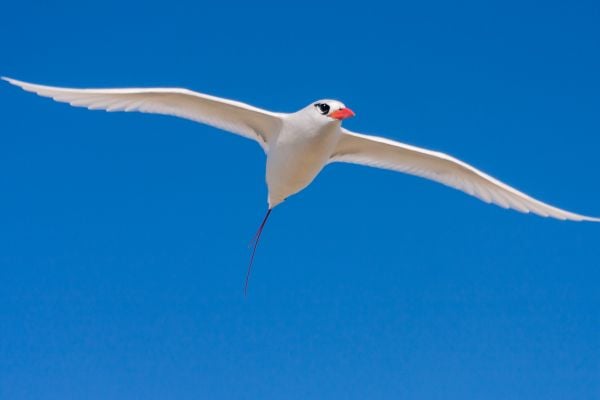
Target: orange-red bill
x=342, y=114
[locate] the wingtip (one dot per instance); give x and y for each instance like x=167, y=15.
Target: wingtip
x=582, y=218
x=11, y=80
x=26, y=86
x=591, y=219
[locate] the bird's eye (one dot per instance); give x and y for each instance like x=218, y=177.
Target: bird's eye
x=323, y=108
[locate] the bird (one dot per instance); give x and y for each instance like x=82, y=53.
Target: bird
x=300, y=144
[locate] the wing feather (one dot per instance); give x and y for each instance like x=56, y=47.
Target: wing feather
x=388, y=154
x=240, y=118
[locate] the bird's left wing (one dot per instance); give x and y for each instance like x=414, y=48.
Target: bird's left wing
x=240, y=118
x=388, y=154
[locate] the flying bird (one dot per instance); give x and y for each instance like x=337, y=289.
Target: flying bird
x=299, y=145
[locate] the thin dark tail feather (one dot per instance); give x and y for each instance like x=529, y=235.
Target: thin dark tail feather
x=254, y=243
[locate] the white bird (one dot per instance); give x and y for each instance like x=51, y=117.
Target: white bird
x=299, y=145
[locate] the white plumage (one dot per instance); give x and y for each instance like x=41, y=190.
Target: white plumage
x=299, y=145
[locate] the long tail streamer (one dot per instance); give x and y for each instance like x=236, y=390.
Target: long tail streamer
x=254, y=244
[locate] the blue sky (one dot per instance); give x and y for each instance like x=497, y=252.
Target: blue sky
x=124, y=236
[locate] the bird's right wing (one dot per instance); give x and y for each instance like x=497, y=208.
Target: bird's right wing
x=384, y=153
x=243, y=119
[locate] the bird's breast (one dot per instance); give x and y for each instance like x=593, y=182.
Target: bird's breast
x=296, y=158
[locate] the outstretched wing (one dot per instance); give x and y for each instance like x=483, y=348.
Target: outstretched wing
x=242, y=119
x=388, y=154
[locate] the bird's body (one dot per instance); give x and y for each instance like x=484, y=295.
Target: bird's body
x=298, y=153
x=299, y=145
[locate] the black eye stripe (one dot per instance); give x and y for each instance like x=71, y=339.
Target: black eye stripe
x=323, y=108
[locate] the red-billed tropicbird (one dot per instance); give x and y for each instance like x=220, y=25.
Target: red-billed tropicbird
x=299, y=145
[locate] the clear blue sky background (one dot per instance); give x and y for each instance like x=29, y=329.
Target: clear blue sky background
x=124, y=236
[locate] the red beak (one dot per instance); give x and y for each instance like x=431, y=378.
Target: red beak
x=342, y=114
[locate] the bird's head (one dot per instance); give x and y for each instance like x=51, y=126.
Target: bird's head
x=330, y=110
